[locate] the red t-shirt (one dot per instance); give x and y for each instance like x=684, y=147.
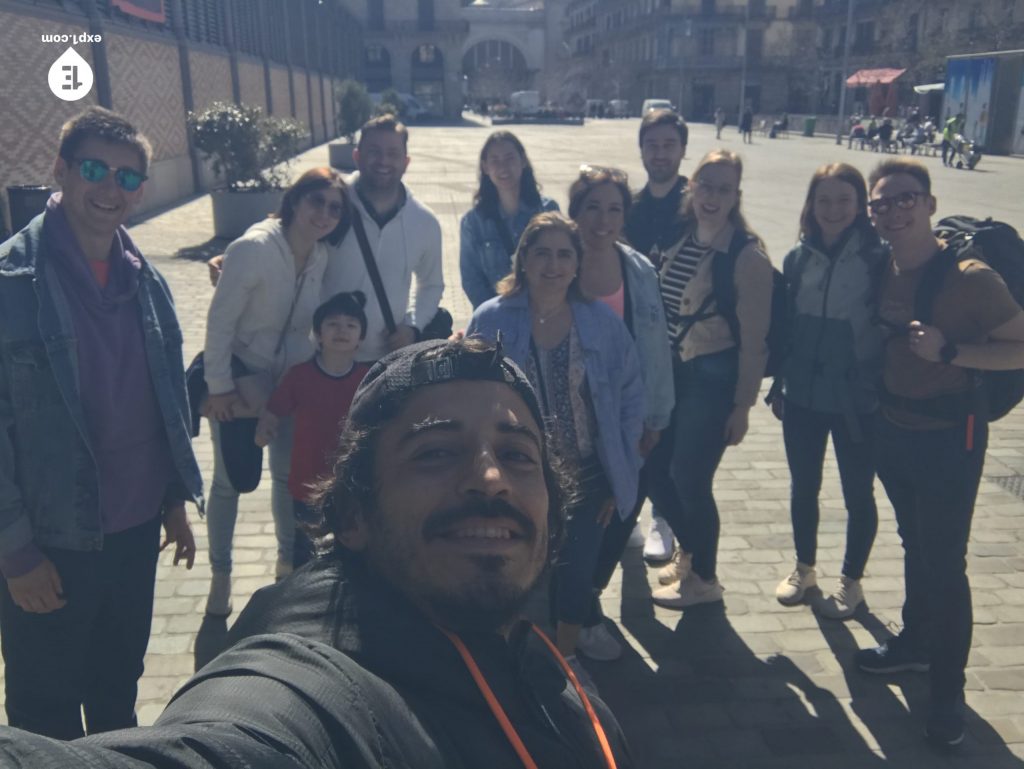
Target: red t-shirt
x=319, y=402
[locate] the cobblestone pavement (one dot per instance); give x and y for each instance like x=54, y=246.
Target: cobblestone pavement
x=751, y=684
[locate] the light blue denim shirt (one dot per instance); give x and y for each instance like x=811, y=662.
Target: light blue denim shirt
x=53, y=498
x=483, y=260
x=645, y=318
x=613, y=376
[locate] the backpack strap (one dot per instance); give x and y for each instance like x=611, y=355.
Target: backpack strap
x=723, y=281
x=931, y=283
x=374, y=272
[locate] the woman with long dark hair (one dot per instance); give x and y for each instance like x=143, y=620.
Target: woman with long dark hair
x=258, y=326
x=828, y=379
x=508, y=197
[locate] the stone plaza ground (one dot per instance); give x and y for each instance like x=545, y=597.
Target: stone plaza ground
x=748, y=684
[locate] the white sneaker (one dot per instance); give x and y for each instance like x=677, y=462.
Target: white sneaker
x=597, y=643
x=636, y=538
x=791, y=590
x=283, y=569
x=677, y=570
x=844, y=601
x=218, y=603
x=689, y=592
x=659, y=544
x=586, y=682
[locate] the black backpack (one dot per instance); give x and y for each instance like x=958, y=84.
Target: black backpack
x=723, y=294
x=1000, y=247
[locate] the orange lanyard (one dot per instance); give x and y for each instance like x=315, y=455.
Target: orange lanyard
x=499, y=712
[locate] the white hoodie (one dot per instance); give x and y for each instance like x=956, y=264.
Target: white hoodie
x=250, y=307
x=409, y=244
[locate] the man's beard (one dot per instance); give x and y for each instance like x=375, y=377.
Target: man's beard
x=660, y=176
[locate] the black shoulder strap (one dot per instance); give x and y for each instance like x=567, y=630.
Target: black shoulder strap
x=723, y=281
x=371, y=268
x=931, y=283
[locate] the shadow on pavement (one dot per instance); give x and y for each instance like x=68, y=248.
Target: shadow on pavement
x=204, y=251
x=211, y=639
x=896, y=722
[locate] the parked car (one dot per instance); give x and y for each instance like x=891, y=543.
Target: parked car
x=618, y=108
x=652, y=104
x=412, y=110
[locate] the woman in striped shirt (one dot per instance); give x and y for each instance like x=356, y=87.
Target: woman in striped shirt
x=718, y=330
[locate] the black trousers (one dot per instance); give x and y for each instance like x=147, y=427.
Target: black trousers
x=87, y=655
x=931, y=477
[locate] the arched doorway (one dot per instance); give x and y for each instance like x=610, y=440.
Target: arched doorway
x=428, y=78
x=493, y=69
x=377, y=68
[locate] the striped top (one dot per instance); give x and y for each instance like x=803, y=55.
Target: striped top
x=674, y=278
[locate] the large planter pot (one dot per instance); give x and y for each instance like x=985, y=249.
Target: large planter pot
x=341, y=155
x=235, y=212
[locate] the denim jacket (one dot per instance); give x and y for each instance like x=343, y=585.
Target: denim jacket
x=613, y=376
x=645, y=319
x=52, y=498
x=483, y=260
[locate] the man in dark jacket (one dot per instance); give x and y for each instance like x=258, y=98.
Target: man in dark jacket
x=94, y=443
x=402, y=647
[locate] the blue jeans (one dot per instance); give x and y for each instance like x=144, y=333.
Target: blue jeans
x=87, y=656
x=806, y=435
x=705, y=390
x=222, y=509
x=932, y=481
x=573, y=580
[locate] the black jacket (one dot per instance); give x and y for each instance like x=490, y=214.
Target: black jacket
x=333, y=670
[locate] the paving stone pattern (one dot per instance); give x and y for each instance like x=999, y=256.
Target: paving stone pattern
x=746, y=684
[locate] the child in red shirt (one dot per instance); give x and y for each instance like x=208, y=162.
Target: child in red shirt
x=318, y=394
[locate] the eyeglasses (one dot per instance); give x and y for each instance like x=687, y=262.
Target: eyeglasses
x=603, y=173
x=95, y=171
x=904, y=201
x=319, y=203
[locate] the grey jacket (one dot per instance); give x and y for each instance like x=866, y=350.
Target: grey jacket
x=49, y=489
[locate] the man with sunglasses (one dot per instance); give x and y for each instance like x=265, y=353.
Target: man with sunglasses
x=931, y=438
x=94, y=440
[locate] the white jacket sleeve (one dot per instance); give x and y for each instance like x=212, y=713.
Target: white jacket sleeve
x=240, y=274
x=429, y=275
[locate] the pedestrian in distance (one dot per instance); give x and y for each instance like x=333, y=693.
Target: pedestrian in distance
x=933, y=432
x=654, y=222
x=584, y=366
x=718, y=327
x=622, y=278
x=95, y=440
x=403, y=645
x=719, y=122
x=747, y=125
x=827, y=387
x=507, y=198
x=317, y=394
x=258, y=328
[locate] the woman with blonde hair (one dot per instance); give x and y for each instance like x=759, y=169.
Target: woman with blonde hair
x=716, y=283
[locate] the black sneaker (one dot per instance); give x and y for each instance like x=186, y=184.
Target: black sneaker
x=893, y=656
x=945, y=726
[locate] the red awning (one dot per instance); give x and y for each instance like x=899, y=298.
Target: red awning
x=865, y=77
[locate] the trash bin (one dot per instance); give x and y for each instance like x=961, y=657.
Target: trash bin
x=809, y=125
x=25, y=201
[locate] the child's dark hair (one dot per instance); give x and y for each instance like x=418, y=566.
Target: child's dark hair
x=350, y=303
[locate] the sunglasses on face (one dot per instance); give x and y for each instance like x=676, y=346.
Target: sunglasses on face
x=603, y=173
x=904, y=201
x=334, y=209
x=95, y=171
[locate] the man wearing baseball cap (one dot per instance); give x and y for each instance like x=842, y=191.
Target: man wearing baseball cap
x=401, y=646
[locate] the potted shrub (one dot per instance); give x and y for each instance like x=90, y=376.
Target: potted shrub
x=353, y=108
x=251, y=154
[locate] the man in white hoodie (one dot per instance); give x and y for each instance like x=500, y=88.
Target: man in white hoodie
x=404, y=239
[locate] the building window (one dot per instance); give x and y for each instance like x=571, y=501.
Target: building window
x=425, y=14
x=706, y=42
x=864, y=37
x=375, y=14
x=755, y=44
x=912, y=27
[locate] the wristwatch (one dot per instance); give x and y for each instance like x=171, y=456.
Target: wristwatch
x=948, y=352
